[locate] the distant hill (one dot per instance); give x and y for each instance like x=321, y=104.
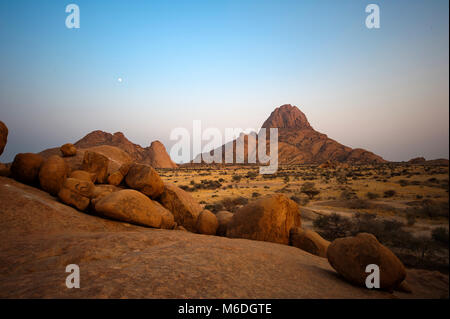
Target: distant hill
x=299, y=143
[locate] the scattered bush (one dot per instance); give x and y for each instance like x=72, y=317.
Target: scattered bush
x=389, y=193
x=372, y=196
x=309, y=189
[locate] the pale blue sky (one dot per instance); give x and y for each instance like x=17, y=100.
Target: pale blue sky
x=229, y=64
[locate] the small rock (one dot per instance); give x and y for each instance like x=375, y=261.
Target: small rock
x=68, y=150
x=179, y=227
x=115, y=178
x=207, y=223
x=76, y=193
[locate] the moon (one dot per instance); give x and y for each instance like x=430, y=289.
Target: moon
x=119, y=80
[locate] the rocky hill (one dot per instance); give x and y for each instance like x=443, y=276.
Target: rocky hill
x=155, y=154
x=299, y=143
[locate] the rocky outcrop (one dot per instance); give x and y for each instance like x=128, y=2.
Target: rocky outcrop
x=144, y=179
x=52, y=174
x=25, y=167
x=116, y=157
x=417, y=160
x=158, y=157
x=183, y=206
x=134, y=207
x=299, y=143
x=350, y=256
x=434, y=162
x=267, y=219
x=3, y=136
x=310, y=241
x=154, y=155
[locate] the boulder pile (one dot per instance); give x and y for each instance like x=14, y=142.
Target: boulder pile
x=113, y=187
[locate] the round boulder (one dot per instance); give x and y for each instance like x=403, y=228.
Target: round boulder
x=3, y=136
x=224, y=218
x=68, y=150
x=134, y=207
x=5, y=170
x=183, y=206
x=145, y=179
x=267, y=219
x=96, y=163
x=52, y=174
x=350, y=256
x=310, y=241
x=76, y=193
x=25, y=167
x=207, y=223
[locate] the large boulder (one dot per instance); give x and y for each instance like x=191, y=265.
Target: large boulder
x=68, y=150
x=310, y=241
x=134, y=207
x=223, y=218
x=207, y=223
x=3, y=136
x=350, y=256
x=145, y=179
x=52, y=174
x=267, y=219
x=183, y=206
x=76, y=193
x=25, y=167
x=96, y=163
